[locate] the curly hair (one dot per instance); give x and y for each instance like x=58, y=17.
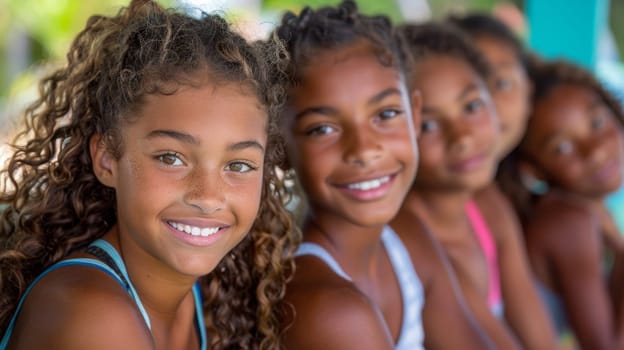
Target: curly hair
x=547, y=75
x=329, y=28
x=439, y=38
x=53, y=203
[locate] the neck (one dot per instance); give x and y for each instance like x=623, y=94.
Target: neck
x=164, y=294
x=356, y=248
x=440, y=209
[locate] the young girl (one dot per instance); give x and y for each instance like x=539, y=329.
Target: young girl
x=509, y=83
x=571, y=158
x=143, y=211
x=351, y=140
x=458, y=139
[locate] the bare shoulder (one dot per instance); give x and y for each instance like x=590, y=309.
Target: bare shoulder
x=427, y=254
x=329, y=312
x=559, y=220
x=79, y=307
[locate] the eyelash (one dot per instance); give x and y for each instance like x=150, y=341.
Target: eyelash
x=248, y=165
x=395, y=113
x=176, y=155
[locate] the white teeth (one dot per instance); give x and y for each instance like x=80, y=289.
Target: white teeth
x=369, y=185
x=194, y=230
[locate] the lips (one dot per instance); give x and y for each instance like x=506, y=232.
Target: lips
x=468, y=164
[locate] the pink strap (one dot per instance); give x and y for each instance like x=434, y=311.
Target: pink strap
x=488, y=246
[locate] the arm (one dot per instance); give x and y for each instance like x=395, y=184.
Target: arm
x=524, y=310
x=330, y=313
x=69, y=309
x=445, y=311
x=495, y=328
x=574, y=253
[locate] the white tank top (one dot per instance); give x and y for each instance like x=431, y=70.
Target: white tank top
x=412, y=334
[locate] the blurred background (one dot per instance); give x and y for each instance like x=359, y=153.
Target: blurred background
x=35, y=34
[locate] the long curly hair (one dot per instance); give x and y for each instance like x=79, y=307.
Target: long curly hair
x=53, y=205
x=546, y=75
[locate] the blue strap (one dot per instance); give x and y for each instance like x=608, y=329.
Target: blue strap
x=126, y=284
x=70, y=262
x=199, y=314
x=112, y=252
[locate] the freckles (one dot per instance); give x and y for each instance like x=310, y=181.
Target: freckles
x=135, y=169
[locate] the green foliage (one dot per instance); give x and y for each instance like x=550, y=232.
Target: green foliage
x=386, y=7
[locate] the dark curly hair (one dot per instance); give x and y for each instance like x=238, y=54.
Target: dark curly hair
x=53, y=203
x=439, y=38
x=546, y=75
x=329, y=28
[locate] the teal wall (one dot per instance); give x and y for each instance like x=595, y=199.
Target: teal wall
x=567, y=28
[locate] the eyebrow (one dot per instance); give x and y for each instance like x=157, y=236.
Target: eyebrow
x=467, y=90
x=329, y=110
x=245, y=144
x=180, y=136
x=190, y=139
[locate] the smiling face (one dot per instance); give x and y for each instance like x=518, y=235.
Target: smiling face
x=350, y=136
x=458, y=131
x=510, y=89
x=189, y=180
x=575, y=141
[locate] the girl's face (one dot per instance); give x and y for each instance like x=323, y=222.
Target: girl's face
x=189, y=181
x=510, y=89
x=350, y=136
x=575, y=141
x=458, y=129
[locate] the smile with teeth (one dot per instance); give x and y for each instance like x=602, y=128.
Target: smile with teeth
x=194, y=230
x=369, y=184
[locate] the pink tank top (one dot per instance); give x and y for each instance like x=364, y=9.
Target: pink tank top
x=488, y=245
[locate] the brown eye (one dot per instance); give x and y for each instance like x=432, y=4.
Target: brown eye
x=241, y=167
x=170, y=159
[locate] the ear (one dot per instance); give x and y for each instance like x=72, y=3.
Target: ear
x=416, y=100
x=103, y=161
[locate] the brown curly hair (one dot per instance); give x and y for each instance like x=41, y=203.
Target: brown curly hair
x=546, y=75
x=53, y=203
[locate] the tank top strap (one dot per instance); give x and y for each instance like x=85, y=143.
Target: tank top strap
x=488, y=246
x=69, y=262
x=307, y=248
x=119, y=266
x=199, y=317
x=412, y=334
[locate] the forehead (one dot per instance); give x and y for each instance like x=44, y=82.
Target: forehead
x=353, y=70
x=198, y=110
x=439, y=74
x=497, y=51
x=562, y=106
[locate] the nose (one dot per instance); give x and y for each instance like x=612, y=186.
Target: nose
x=460, y=137
x=361, y=146
x=595, y=151
x=205, y=191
